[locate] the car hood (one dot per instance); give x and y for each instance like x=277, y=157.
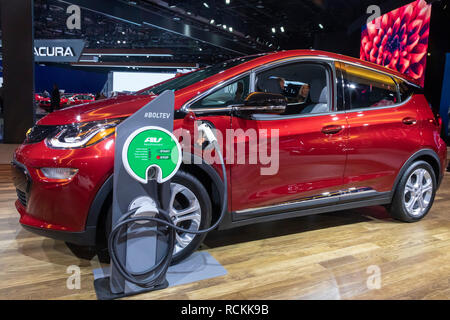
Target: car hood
x=117, y=107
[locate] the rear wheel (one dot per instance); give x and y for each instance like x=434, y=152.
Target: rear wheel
x=415, y=193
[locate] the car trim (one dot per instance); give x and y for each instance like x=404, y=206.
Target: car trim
x=314, y=200
x=381, y=198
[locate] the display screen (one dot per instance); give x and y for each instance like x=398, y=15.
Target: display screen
x=399, y=39
x=134, y=81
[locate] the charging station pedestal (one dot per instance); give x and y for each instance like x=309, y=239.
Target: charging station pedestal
x=142, y=139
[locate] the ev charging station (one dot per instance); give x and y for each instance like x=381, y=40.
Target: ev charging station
x=142, y=238
x=147, y=155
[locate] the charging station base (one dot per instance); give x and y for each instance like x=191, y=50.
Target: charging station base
x=103, y=290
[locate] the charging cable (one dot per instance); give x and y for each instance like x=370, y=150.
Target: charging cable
x=150, y=277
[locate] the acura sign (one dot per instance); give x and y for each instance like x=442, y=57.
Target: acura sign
x=61, y=50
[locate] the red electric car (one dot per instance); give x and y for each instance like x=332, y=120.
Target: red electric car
x=351, y=134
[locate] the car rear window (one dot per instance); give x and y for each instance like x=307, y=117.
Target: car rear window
x=369, y=89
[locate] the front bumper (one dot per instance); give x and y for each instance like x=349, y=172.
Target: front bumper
x=86, y=237
x=60, y=209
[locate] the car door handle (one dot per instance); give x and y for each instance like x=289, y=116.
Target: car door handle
x=409, y=121
x=332, y=129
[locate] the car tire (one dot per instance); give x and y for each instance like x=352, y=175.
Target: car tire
x=184, y=182
x=415, y=193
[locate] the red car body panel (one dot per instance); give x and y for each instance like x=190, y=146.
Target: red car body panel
x=64, y=205
x=369, y=151
x=310, y=162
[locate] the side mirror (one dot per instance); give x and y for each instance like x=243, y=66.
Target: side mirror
x=262, y=102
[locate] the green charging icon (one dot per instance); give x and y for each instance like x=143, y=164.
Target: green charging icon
x=151, y=153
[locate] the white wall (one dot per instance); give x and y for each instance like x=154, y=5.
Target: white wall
x=134, y=81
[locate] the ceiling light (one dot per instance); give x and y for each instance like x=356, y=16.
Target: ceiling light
x=231, y=29
x=273, y=30
x=320, y=26
x=118, y=41
x=282, y=29
x=212, y=21
x=224, y=26
x=205, y=4
x=189, y=13
x=227, y=1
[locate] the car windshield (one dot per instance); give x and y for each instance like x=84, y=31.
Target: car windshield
x=196, y=76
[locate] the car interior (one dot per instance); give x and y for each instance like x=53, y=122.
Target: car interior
x=304, y=85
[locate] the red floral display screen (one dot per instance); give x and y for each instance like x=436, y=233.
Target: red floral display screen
x=399, y=39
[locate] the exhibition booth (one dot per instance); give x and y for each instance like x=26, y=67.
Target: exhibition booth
x=224, y=150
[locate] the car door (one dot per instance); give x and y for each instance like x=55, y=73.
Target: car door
x=383, y=131
x=308, y=157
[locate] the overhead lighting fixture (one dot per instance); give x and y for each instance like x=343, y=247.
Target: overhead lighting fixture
x=189, y=13
x=227, y=1
x=212, y=21
x=224, y=26
x=274, y=30
x=282, y=29
x=206, y=5
x=231, y=29
x=320, y=26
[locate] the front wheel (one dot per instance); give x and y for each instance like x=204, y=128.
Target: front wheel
x=190, y=208
x=415, y=193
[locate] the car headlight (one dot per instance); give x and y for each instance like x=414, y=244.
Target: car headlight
x=80, y=135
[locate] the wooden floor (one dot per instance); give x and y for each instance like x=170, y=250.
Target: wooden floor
x=329, y=256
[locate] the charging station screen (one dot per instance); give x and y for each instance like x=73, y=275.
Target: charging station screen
x=134, y=81
x=399, y=39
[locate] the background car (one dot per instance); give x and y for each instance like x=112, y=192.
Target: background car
x=80, y=98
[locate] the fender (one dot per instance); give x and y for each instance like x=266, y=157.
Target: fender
x=107, y=187
x=414, y=157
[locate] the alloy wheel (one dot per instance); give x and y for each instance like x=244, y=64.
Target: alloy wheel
x=418, y=192
x=185, y=212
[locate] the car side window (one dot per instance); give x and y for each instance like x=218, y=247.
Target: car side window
x=406, y=90
x=303, y=84
x=369, y=89
x=234, y=93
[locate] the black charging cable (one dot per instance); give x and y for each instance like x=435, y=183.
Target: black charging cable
x=151, y=277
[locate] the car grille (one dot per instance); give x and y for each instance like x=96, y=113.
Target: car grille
x=21, y=181
x=22, y=197
x=39, y=133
